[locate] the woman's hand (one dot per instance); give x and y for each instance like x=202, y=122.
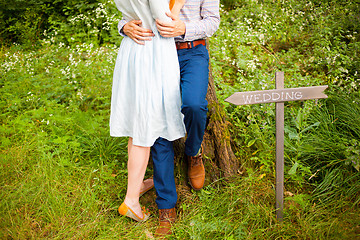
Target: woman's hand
x=171, y=29
x=137, y=33
x=176, y=27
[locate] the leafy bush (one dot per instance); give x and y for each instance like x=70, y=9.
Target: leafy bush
x=312, y=43
x=90, y=21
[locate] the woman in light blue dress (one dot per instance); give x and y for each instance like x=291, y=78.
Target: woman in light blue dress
x=145, y=101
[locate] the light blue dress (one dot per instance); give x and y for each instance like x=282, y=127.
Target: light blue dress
x=146, y=101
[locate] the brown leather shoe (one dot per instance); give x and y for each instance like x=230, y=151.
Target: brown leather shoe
x=196, y=172
x=166, y=218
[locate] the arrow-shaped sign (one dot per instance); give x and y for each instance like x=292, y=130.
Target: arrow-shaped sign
x=277, y=95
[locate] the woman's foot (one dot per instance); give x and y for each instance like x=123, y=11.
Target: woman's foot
x=134, y=211
x=134, y=206
x=146, y=185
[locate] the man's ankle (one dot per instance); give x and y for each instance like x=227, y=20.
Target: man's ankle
x=198, y=154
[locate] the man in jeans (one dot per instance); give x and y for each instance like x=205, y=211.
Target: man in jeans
x=198, y=19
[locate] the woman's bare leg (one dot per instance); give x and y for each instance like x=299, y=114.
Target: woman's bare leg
x=138, y=158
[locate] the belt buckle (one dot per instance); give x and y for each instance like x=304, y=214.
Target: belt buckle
x=189, y=44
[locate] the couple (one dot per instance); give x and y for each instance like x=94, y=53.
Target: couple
x=158, y=93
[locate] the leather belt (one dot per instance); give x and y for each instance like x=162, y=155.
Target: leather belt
x=190, y=44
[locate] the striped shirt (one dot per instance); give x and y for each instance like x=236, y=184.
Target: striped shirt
x=201, y=18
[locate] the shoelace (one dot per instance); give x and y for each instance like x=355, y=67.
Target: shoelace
x=164, y=214
x=196, y=160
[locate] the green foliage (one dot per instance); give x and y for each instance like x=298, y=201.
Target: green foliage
x=229, y=4
x=62, y=176
x=253, y=136
x=300, y=38
x=331, y=149
x=312, y=43
x=96, y=25
x=67, y=21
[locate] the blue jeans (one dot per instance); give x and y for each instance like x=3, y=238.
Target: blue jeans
x=194, y=77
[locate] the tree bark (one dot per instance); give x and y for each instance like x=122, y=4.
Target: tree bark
x=216, y=144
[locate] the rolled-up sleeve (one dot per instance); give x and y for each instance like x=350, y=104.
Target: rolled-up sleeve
x=207, y=25
x=121, y=24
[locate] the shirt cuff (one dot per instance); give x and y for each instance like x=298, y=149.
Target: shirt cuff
x=190, y=31
x=120, y=27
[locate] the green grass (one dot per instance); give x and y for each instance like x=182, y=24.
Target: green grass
x=43, y=199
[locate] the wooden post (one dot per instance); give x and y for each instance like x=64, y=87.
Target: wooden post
x=279, y=192
x=279, y=96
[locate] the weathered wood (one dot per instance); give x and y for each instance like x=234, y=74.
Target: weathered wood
x=277, y=95
x=279, y=186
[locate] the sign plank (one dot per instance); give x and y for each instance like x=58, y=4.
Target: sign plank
x=277, y=95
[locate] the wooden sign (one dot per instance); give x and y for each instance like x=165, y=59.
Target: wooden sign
x=279, y=96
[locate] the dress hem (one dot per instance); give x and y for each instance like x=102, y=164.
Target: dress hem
x=141, y=144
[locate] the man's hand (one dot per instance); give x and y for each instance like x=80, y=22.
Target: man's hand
x=139, y=34
x=172, y=29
